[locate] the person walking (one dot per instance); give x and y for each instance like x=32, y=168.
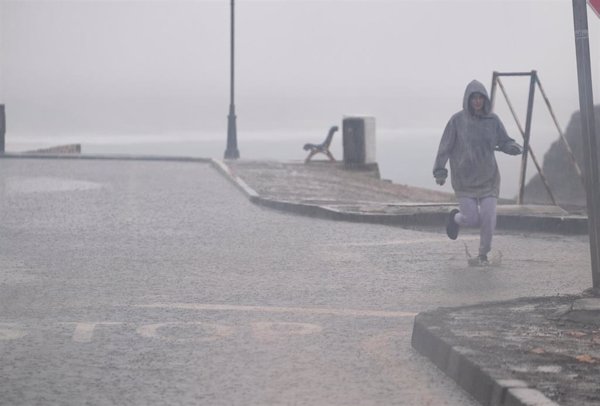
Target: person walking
x=469, y=141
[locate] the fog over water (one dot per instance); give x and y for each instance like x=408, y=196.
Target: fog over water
x=153, y=76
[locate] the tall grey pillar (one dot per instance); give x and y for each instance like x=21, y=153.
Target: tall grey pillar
x=2, y=128
x=588, y=132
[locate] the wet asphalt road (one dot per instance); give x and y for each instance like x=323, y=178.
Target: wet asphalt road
x=141, y=283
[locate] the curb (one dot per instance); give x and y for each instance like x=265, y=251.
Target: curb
x=427, y=216
x=313, y=210
x=431, y=218
x=454, y=361
x=233, y=178
x=549, y=224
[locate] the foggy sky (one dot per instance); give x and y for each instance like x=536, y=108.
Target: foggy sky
x=90, y=67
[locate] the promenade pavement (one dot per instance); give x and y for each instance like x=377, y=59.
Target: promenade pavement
x=325, y=189
x=527, y=351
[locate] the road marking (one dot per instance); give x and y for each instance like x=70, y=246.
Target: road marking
x=269, y=309
x=217, y=331
x=85, y=331
x=8, y=332
x=272, y=331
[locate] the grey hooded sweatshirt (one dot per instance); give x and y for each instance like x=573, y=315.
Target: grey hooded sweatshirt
x=468, y=142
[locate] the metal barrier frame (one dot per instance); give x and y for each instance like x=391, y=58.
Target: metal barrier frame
x=526, y=133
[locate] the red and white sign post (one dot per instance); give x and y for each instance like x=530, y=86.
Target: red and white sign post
x=595, y=5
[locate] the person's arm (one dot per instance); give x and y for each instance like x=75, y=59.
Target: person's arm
x=507, y=144
x=440, y=173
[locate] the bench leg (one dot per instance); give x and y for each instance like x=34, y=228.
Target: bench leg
x=310, y=155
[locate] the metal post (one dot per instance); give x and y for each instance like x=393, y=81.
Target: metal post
x=493, y=90
x=588, y=130
x=232, y=149
x=522, y=131
x=2, y=128
x=526, y=137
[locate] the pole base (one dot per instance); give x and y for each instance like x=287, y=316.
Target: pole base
x=232, y=151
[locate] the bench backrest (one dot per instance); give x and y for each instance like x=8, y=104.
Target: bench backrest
x=327, y=141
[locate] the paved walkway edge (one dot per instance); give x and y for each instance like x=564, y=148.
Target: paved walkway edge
x=116, y=157
x=312, y=210
x=233, y=178
x=455, y=362
x=552, y=224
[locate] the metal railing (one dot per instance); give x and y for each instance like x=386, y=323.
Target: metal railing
x=526, y=132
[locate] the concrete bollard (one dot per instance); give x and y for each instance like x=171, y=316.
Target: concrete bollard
x=2, y=128
x=359, y=142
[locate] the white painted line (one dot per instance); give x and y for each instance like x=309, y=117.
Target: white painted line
x=85, y=331
x=269, y=309
x=272, y=331
x=216, y=331
x=9, y=332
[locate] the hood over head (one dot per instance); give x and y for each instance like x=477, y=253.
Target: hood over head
x=476, y=87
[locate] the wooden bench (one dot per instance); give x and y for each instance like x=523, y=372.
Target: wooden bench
x=322, y=148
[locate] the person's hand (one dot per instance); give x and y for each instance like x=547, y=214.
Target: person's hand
x=512, y=148
x=440, y=176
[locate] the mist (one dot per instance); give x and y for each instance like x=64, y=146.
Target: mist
x=160, y=69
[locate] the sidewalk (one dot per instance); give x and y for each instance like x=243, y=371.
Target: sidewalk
x=528, y=351
x=327, y=190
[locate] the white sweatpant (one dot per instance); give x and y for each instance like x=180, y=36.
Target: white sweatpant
x=478, y=213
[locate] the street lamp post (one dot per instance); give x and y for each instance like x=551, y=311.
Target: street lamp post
x=232, y=149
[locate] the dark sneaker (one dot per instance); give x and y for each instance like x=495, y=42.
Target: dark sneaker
x=451, y=226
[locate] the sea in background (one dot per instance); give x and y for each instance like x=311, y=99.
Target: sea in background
x=405, y=156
